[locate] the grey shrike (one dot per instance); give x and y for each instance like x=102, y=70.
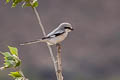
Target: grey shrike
x=56, y=36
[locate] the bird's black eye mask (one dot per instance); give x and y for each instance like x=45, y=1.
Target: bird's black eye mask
x=68, y=28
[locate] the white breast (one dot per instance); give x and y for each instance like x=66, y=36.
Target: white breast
x=57, y=39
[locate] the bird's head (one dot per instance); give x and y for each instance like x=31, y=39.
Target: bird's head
x=66, y=26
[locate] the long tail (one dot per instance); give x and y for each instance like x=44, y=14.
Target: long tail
x=32, y=42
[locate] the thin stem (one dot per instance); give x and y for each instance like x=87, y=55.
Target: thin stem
x=44, y=33
x=39, y=21
x=54, y=61
x=59, y=62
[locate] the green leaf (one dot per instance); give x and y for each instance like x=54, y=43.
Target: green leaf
x=13, y=50
x=26, y=5
x=13, y=0
x=11, y=60
x=17, y=61
x=6, y=54
x=15, y=74
x=8, y=58
x=7, y=1
x=9, y=63
x=35, y=4
x=17, y=1
x=18, y=75
x=18, y=64
x=14, y=5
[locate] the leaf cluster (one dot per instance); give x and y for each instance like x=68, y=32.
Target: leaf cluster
x=25, y=3
x=11, y=59
x=18, y=75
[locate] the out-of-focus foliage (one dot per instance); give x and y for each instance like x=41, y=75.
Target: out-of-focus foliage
x=25, y=3
x=18, y=75
x=11, y=59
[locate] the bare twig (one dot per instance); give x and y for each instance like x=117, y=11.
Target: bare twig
x=39, y=20
x=59, y=62
x=44, y=33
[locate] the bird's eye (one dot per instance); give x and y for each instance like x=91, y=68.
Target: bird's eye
x=68, y=28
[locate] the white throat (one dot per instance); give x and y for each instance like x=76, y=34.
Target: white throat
x=67, y=30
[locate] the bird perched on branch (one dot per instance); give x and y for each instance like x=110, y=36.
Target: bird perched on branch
x=56, y=36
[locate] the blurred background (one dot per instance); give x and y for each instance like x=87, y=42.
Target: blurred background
x=90, y=52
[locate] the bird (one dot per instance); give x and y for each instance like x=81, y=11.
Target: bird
x=56, y=36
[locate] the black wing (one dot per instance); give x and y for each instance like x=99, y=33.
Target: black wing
x=57, y=33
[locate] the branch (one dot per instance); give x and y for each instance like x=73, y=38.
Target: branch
x=59, y=62
x=39, y=21
x=49, y=47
